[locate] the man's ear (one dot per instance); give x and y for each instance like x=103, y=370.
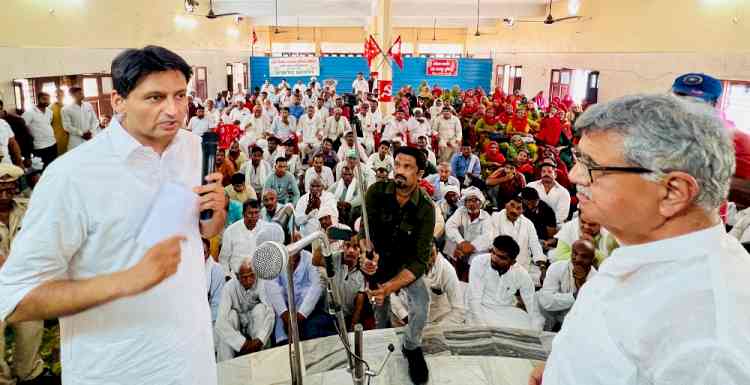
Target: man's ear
x=420, y=174
x=118, y=102
x=680, y=190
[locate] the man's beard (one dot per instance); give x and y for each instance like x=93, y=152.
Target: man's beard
x=400, y=181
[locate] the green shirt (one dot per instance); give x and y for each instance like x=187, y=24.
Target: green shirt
x=402, y=236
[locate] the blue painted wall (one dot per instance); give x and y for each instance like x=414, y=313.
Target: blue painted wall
x=471, y=73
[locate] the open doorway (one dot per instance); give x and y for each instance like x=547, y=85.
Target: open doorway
x=581, y=84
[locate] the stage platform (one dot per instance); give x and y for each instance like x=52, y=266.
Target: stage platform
x=456, y=355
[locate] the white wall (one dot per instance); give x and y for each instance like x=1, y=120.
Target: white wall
x=626, y=73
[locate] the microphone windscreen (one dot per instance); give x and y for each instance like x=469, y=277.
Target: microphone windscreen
x=268, y=260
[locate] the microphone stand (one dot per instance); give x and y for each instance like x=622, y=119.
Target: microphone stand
x=295, y=352
x=334, y=297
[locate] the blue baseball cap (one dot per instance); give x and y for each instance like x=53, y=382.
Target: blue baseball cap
x=697, y=85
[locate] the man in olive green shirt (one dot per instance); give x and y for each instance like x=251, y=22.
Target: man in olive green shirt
x=401, y=220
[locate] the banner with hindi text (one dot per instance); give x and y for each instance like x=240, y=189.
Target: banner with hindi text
x=294, y=66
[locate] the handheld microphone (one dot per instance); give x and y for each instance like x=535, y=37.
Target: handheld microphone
x=208, y=145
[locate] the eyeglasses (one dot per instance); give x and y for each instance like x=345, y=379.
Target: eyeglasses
x=590, y=169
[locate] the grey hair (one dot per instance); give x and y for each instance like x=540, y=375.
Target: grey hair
x=269, y=190
x=246, y=262
x=666, y=133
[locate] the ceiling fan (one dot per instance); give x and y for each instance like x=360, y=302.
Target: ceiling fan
x=548, y=20
x=192, y=5
x=477, y=34
x=276, y=29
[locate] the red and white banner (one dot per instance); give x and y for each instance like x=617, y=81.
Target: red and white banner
x=442, y=67
x=294, y=66
x=386, y=90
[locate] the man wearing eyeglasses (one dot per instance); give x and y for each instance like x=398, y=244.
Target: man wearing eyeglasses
x=667, y=306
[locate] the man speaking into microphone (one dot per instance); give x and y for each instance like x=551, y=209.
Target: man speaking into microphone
x=131, y=311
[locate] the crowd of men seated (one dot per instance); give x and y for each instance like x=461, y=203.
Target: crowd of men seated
x=509, y=247
x=508, y=251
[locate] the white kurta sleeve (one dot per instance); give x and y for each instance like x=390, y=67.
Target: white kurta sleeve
x=536, y=247
x=299, y=212
x=484, y=241
x=54, y=228
x=474, y=291
x=563, y=206
x=313, y=292
x=69, y=122
x=526, y=287
x=224, y=327
x=451, y=290
x=225, y=255
x=550, y=297
x=451, y=228
x=275, y=295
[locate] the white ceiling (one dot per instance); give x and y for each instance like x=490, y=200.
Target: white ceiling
x=406, y=13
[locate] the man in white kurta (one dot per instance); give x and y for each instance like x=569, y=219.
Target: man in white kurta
x=563, y=281
x=446, y=295
x=397, y=127
x=552, y=193
x=418, y=125
x=306, y=210
x=494, y=280
x=199, y=124
x=510, y=221
x=245, y=319
x=360, y=85
x=312, y=132
x=468, y=232
x=336, y=125
x=79, y=119
x=448, y=127
x=256, y=170
x=318, y=170
x=670, y=305
x=239, y=239
x=163, y=334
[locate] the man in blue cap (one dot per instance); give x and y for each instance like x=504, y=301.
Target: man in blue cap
x=709, y=89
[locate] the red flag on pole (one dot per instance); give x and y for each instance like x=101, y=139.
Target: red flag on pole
x=255, y=37
x=372, y=50
x=395, y=52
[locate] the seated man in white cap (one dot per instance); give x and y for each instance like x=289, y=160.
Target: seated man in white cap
x=494, y=280
x=396, y=128
x=449, y=204
x=27, y=364
x=419, y=125
x=446, y=298
x=511, y=222
x=563, y=281
x=245, y=320
x=353, y=163
x=468, y=232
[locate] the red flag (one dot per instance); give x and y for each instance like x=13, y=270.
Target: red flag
x=372, y=50
x=395, y=52
x=255, y=37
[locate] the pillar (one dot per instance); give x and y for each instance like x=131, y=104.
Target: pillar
x=380, y=29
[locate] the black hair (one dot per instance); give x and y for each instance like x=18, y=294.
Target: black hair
x=529, y=194
x=250, y=204
x=200, y=108
x=506, y=244
x=385, y=143
x=516, y=199
x=74, y=89
x=238, y=178
x=133, y=65
x=255, y=149
x=329, y=140
x=40, y=95
x=318, y=155
x=1, y=103
x=285, y=109
x=274, y=139
x=280, y=159
x=413, y=152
